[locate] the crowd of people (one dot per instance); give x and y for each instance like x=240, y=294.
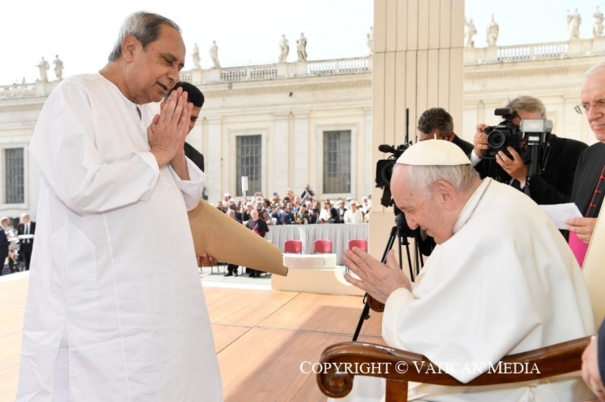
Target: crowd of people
x=16, y=244
x=291, y=209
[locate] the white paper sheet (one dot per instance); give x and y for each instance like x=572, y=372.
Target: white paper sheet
x=559, y=213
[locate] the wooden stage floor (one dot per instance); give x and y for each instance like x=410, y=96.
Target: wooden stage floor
x=261, y=338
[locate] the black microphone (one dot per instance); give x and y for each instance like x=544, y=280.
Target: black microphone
x=387, y=148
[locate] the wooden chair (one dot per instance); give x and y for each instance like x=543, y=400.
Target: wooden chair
x=552, y=360
x=360, y=243
x=322, y=246
x=293, y=246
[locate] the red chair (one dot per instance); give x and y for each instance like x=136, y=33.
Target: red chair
x=361, y=243
x=322, y=246
x=293, y=246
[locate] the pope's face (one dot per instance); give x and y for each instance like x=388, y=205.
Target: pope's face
x=421, y=211
x=152, y=72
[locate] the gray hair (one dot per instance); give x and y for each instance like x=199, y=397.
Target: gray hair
x=4, y=219
x=423, y=178
x=528, y=104
x=596, y=69
x=142, y=25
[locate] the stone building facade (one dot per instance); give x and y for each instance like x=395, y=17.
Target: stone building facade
x=287, y=125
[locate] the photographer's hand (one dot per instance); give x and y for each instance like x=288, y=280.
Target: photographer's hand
x=515, y=167
x=480, y=141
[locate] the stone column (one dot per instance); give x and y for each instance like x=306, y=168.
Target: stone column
x=301, y=157
x=417, y=64
x=281, y=154
x=365, y=143
x=213, y=159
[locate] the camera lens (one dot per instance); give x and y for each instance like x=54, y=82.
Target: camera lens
x=496, y=139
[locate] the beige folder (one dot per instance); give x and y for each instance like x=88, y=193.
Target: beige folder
x=594, y=269
x=227, y=240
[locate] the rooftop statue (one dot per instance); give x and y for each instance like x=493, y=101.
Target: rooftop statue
x=44, y=67
x=493, y=30
x=301, y=47
x=196, y=57
x=58, y=68
x=214, y=55
x=469, y=32
x=573, y=24
x=284, y=48
x=597, y=23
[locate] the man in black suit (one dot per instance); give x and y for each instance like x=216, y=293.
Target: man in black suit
x=4, y=243
x=195, y=96
x=436, y=123
x=26, y=230
x=589, y=185
x=554, y=181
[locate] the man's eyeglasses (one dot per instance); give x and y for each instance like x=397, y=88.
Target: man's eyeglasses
x=599, y=104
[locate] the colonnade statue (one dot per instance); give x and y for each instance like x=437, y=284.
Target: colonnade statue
x=493, y=30
x=469, y=32
x=44, y=67
x=597, y=23
x=573, y=24
x=58, y=67
x=214, y=55
x=284, y=49
x=196, y=57
x=301, y=47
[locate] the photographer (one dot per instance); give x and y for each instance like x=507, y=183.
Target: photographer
x=436, y=123
x=307, y=193
x=553, y=183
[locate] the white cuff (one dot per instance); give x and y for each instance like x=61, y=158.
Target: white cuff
x=475, y=158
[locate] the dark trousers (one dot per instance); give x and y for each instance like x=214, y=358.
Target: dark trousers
x=3, y=255
x=26, y=252
x=232, y=268
x=253, y=272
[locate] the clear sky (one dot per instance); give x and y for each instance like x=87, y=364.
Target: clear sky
x=247, y=32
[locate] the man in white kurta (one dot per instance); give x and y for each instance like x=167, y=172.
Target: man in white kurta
x=115, y=310
x=501, y=280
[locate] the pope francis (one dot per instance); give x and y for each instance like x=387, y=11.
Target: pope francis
x=501, y=280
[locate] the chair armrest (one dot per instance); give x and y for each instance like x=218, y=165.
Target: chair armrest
x=336, y=378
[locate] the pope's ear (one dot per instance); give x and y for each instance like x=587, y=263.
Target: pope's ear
x=445, y=191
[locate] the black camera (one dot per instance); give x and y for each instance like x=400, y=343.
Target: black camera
x=384, y=167
x=504, y=135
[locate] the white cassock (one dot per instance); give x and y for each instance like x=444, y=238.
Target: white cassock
x=115, y=308
x=505, y=282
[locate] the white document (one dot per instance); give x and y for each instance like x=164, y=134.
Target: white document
x=559, y=213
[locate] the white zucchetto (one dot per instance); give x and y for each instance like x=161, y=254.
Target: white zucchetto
x=434, y=153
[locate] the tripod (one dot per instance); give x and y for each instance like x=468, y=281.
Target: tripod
x=401, y=233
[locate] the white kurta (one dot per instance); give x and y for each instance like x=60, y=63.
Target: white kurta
x=114, y=278
x=506, y=282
